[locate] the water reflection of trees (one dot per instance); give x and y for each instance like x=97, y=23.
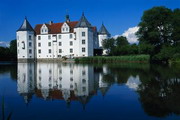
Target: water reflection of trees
x=159, y=89
x=9, y=68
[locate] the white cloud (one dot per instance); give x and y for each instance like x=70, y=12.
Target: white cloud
x=4, y=44
x=130, y=35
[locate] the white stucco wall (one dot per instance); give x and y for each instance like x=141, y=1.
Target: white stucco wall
x=23, y=42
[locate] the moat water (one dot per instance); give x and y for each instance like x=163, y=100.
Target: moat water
x=56, y=91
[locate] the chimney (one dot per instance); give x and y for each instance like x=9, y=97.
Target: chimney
x=50, y=22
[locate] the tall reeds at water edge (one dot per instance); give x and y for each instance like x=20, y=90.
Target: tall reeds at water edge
x=111, y=59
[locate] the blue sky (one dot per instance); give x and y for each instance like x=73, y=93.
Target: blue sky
x=117, y=15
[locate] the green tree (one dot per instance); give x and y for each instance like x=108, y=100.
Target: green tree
x=158, y=33
x=121, y=41
x=146, y=48
x=155, y=27
x=121, y=46
x=13, y=49
x=109, y=44
x=176, y=27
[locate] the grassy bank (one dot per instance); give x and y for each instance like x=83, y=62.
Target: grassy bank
x=110, y=59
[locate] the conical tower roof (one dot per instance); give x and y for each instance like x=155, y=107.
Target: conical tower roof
x=103, y=30
x=83, y=22
x=25, y=26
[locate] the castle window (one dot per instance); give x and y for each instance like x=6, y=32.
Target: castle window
x=83, y=34
x=71, y=50
x=70, y=36
x=71, y=43
x=17, y=37
x=39, y=51
x=49, y=50
x=60, y=50
x=49, y=43
x=30, y=37
x=39, y=37
x=23, y=45
x=30, y=51
x=49, y=37
x=59, y=36
x=39, y=44
x=60, y=43
x=75, y=36
x=83, y=49
x=83, y=42
x=30, y=44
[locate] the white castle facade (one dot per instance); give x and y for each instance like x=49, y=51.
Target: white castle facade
x=55, y=40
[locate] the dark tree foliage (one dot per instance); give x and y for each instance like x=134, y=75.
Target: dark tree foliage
x=120, y=46
x=155, y=26
x=13, y=49
x=9, y=54
x=159, y=33
x=176, y=26
x=109, y=45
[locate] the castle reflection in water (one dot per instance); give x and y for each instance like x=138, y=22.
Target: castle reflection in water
x=69, y=82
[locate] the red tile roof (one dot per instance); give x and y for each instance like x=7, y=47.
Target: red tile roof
x=55, y=28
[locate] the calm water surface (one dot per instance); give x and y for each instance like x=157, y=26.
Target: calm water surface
x=56, y=91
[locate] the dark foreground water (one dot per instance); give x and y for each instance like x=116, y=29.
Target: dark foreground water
x=55, y=91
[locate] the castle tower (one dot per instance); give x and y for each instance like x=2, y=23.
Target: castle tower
x=84, y=37
x=102, y=35
x=25, y=42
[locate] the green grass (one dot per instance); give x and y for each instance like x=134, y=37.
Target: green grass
x=111, y=59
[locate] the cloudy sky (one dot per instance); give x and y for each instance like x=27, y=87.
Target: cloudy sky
x=119, y=16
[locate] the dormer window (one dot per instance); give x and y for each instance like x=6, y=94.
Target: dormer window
x=65, y=28
x=44, y=29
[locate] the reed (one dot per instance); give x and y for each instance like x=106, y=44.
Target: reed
x=112, y=59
